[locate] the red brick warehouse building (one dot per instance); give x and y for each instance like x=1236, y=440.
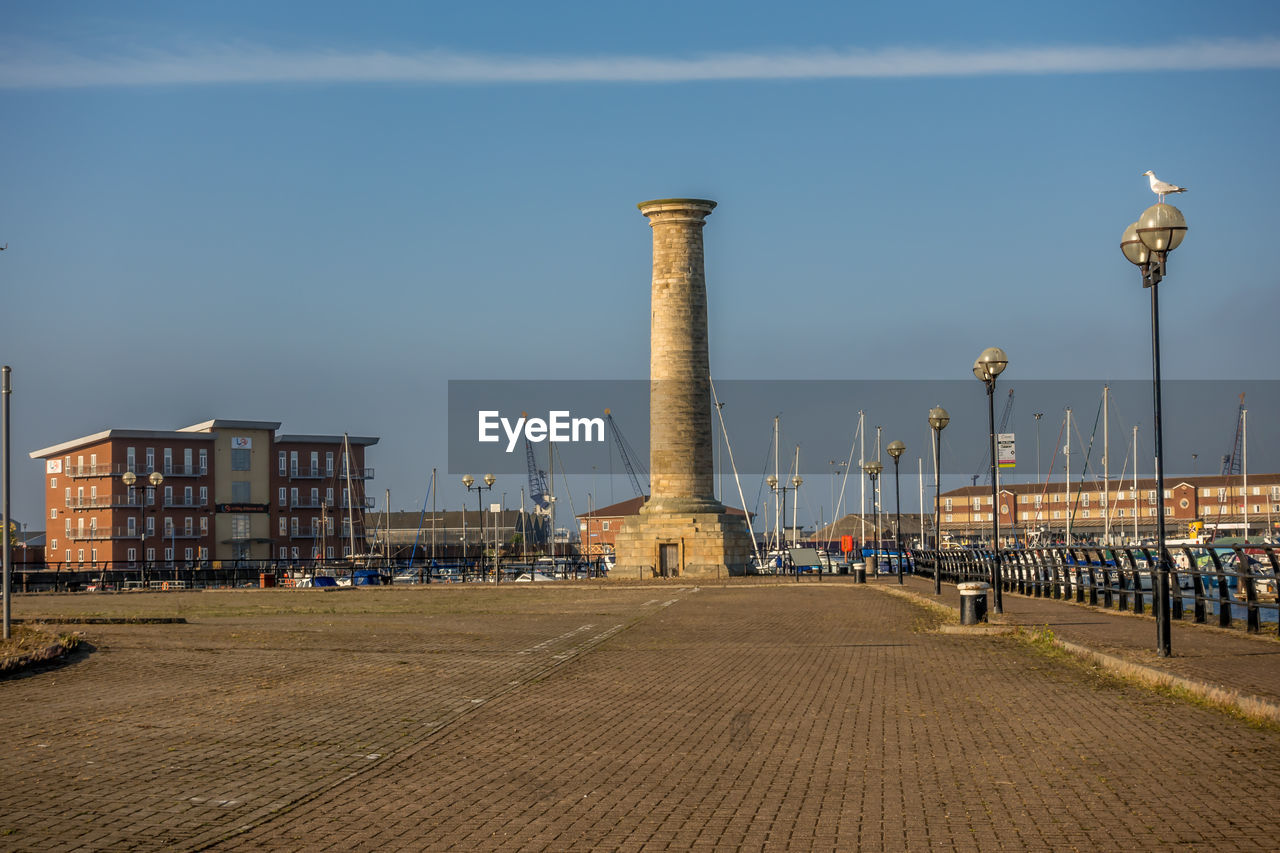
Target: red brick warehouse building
x=225, y=490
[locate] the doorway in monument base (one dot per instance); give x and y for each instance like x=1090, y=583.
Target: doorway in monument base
x=668, y=559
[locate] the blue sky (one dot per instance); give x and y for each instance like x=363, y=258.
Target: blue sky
x=321, y=213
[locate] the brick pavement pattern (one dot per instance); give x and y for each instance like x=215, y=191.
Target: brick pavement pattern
x=741, y=717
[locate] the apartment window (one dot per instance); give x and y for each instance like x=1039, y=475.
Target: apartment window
x=186, y=461
x=131, y=554
x=188, y=526
x=1039, y=501
x=80, y=555
x=187, y=555
x=315, y=462
x=93, y=462
x=53, y=482
x=1222, y=494
x=1151, y=497
x=1167, y=494
x=284, y=496
x=53, y=545
x=168, y=460
x=168, y=526
x=328, y=552
x=150, y=459
x=204, y=496
x=315, y=497
x=948, y=516
x=328, y=497
x=604, y=525
x=1275, y=492
x=168, y=553
x=131, y=526
x=66, y=556
x=346, y=498
x=53, y=513
x=1084, y=499
x=188, y=495
x=293, y=552
x=293, y=526
x=284, y=552
x=948, y=506
x=204, y=460
x=241, y=459
x=151, y=555
x=240, y=491
x=151, y=496
x=1168, y=510
x=240, y=526
x=151, y=525
x=1084, y=513
x=977, y=503
x=293, y=463
x=1057, y=514
x=293, y=497
x=1120, y=513
x=284, y=468
x=1039, y=516
x=130, y=458
x=168, y=495
x=328, y=464
x=204, y=553
x=93, y=555
x=204, y=525
x=284, y=526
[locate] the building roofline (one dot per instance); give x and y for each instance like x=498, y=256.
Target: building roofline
x=362, y=440
x=221, y=423
x=107, y=434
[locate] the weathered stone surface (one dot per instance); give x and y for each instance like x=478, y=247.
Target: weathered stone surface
x=682, y=510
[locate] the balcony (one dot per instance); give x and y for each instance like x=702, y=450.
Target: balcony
x=184, y=470
x=305, y=503
x=109, y=502
x=308, y=472
x=359, y=503
x=80, y=534
x=304, y=534
x=356, y=473
x=175, y=533
x=108, y=469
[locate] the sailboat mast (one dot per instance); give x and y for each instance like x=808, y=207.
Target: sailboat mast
x=1244, y=469
x=1106, y=470
x=1068, y=455
x=433, y=516
x=1135, y=485
x=351, y=496
x=862, y=480
x=795, y=499
x=777, y=516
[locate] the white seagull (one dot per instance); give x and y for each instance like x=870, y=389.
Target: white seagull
x=1161, y=188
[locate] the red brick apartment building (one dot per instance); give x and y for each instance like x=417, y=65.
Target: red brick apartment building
x=224, y=490
x=1222, y=504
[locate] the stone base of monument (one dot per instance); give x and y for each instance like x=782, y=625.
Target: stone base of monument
x=681, y=544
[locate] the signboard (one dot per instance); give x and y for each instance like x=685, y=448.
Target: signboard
x=241, y=443
x=53, y=466
x=1004, y=450
x=241, y=507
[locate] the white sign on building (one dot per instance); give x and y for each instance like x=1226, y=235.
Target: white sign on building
x=1004, y=450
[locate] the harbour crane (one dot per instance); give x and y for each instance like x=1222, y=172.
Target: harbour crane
x=623, y=448
x=1231, y=462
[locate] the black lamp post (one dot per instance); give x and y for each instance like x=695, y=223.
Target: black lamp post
x=776, y=487
x=938, y=420
x=896, y=449
x=155, y=479
x=473, y=486
x=1147, y=244
x=872, y=469
x=989, y=365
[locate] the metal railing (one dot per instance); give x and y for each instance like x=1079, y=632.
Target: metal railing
x=1227, y=581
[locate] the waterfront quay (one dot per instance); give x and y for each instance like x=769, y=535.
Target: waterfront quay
x=752, y=714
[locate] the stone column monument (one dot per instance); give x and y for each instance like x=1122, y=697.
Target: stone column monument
x=682, y=529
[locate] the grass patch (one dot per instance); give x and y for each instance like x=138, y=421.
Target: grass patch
x=29, y=645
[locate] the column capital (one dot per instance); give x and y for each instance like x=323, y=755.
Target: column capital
x=693, y=210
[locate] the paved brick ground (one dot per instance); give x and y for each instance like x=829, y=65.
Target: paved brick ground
x=1226, y=658
x=805, y=717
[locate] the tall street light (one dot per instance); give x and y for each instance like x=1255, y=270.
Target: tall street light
x=896, y=449
x=872, y=469
x=938, y=420
x=472, y=486
x=155, y=479
x=1147, y=244
x=989, y=365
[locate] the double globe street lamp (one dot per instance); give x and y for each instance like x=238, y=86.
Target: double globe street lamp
x=896, y=449
x=1147, y=244
x=155, y=479
x=938, y=420
x=990, y=364
x=872, y=469
x=470, y=483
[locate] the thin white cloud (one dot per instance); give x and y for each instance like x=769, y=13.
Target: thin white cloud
x=250, y=64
